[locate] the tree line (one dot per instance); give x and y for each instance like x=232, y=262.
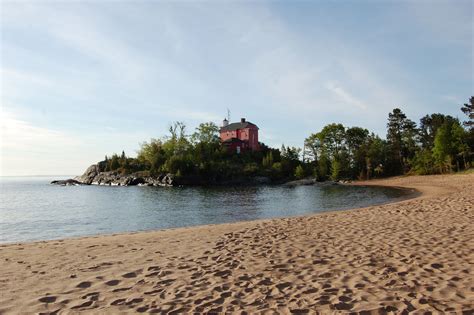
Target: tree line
x=437, y=144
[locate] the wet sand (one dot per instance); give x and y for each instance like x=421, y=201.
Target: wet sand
x=411, y=255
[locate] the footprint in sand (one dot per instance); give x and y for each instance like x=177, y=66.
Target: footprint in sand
x=94, y=296
x=130, y=275
x=85, y=304
x=343, y=306
x=118, y=302
x=112, y=282
x=84, y=285
x=134, y=301
x=154, y=268
x=142, y=309
x=47, y=299
x=121, y=289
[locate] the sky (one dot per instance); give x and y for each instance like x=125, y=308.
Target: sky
x=82, y=79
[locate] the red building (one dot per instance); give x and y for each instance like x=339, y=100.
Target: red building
x=240, y=136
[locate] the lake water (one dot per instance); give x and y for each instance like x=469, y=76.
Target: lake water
x=32, y=209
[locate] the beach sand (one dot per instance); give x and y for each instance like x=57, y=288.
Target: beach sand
x=416, y=254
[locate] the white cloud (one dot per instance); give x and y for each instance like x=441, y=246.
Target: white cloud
x=20, y=135
x=344, y=96
x=25, y=148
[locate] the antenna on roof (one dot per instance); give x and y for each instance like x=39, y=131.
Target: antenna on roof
x=228, y=114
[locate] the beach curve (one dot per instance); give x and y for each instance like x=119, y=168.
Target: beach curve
x=410, y=255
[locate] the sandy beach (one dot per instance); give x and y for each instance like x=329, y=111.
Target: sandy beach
x=412, y=255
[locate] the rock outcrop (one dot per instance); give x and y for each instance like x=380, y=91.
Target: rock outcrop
x=95, y=175
x=67, y=182
x=88, y=177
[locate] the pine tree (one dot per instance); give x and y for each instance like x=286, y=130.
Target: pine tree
x=401, y=133
x=468, y=109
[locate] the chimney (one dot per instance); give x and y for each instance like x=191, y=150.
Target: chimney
x=242, y=120
x=225, y=123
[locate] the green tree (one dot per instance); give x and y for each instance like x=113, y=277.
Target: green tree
x=299, y=172
x=336, y=169
x=423, y=163
x=312, y=146
x=323, y=167
x=468, y=109
x=429, y=124
x=114, y=162
x=152, y=155
x=206, y=133
x=267, y=161
x=332, y=139
x=376, y=158
x=357, y=146
x=401, y=133
x=449, y=145
x=442, y=149
x=177, y=142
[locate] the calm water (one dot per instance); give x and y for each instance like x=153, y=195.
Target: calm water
x=32, y=209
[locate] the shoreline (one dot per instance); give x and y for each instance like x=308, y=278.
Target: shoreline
x=410, y=193
x=372, y=258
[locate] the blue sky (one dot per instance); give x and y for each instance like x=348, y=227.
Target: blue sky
x=83, y=79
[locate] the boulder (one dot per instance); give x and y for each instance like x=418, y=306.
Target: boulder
x=67, y=182
x=89, y=175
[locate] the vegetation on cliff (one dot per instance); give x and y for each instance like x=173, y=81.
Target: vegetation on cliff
x=438, y=144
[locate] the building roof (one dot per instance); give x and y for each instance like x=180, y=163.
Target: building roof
x=238, y=125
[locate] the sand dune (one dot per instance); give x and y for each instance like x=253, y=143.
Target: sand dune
x=412, y=255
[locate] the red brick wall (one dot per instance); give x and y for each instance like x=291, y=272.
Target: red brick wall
x=228, y=135
x=248, y=134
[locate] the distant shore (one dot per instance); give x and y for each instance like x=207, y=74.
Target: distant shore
x=415, y=254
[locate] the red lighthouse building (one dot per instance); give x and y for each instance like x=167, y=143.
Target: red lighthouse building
x=240, y=136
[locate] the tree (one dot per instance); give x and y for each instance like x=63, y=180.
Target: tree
x=376, y=156
x=206, y=133
x=423, y=163
x=267, y=161
x=312, y=145
x=299, y=172
x=323, y=167
x=152, y=154
x=357, y=146
x=114, y=162
x=332, y=139
x=177, y=143
x=401, y=133
x=442, y=149
x=409, y=143
x=429, y=124
x=468, y=109
x=449, y=146
x=335, y=169
x=106, y=163
x=290, y=153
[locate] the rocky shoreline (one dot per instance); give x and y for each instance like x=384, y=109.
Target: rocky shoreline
x=95, y=175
